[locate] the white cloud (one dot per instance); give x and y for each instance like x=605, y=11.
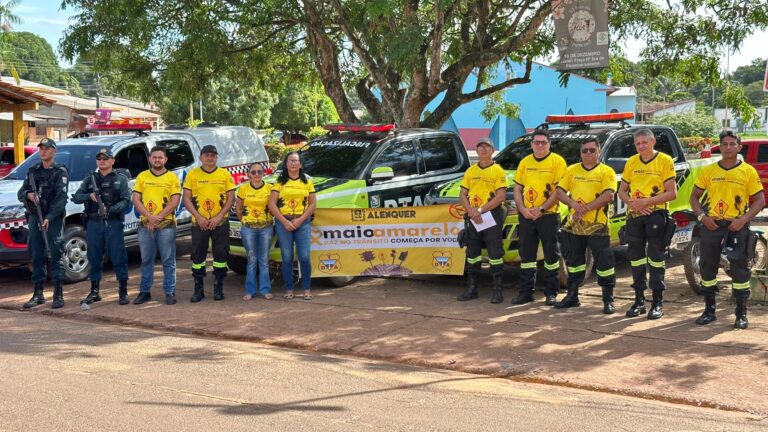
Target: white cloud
x=49, y=21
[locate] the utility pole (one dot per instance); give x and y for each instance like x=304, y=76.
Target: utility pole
x=98, y=90
x=191, y=111
x=201, y=109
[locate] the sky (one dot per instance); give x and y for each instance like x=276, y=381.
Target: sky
x=44, y=18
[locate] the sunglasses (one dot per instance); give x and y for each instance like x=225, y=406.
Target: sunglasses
x=102, y=158
x=257, y=172
x=589, y=150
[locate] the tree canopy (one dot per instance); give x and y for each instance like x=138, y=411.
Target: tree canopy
x=396, y=56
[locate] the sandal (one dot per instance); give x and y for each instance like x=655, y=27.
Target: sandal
x=268, y=296
x=308, y=295
x=288, y=295
x=247, y=297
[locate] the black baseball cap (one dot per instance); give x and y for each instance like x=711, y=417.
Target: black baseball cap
x=47, y=142
x=209, y=149
x=106, y=152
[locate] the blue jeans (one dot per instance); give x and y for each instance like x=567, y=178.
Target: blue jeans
x=150, y=242
x=287, y=239
x=100, y=237
x=257, y=242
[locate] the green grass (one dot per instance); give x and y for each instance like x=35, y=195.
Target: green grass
x=754, y=135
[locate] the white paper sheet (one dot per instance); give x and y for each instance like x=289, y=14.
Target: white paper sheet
x=487, y=222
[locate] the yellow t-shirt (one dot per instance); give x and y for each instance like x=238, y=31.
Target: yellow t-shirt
x=728, y=190
x=539, y=178
x=209, y=190
x=293, y=196
x=583, y=186
x=481, y=184
x=255, y=212
x=156, y=191
x=646, y=179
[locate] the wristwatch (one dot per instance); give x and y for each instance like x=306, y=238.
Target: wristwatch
x=700, y=216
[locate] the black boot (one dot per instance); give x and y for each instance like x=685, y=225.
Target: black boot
x=199, y=294
x=656, y=311
x=58, y=295
x=710, y=305
x=523, y=297
x=741, y=322
x=92, y=296
x=122, y=292
x=571, y=299
x=608, y=307
x=142, y=298
x=218, y=286
x=471, y=292
x=497, y=296
x=37, y=297
x=638, y=307
x=550, y=299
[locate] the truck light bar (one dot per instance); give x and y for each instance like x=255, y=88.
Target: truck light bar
x=118, y=127
x=590, y=118
x=353, y=127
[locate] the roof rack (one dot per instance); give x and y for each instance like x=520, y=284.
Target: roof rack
x=355, y=127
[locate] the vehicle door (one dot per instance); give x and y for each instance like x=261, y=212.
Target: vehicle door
x=132, y=159
x=180, y=160
x=760, y=158
x=393, y=177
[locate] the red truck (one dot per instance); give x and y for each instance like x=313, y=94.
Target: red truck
x=755, y=153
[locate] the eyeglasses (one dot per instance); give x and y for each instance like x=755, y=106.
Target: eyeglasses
x=257, y=172
x=540, y=143
x=102, y=158
x=589, y=150
x=293, y=161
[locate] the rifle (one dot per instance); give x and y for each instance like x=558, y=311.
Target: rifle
x=103, y=213
x=39, y=212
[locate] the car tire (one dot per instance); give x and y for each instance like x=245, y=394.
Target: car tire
x=337, y=282
x=238, y=264
x=75, y=258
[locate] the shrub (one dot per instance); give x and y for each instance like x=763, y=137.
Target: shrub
x=696, y=144
x=316, y=131
x=275, y=152
x=690, y=124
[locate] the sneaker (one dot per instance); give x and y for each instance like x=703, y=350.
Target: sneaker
x=142, y=297
x=170, y=299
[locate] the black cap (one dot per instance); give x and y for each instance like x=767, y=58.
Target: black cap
x=47, y=142
x=209, y=149
x=106, y=152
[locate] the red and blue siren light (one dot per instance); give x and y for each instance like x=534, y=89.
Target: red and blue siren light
x=118, y=127
x=590, y=118
x=353, y=127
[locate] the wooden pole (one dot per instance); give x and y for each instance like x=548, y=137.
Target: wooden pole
x=18, y=136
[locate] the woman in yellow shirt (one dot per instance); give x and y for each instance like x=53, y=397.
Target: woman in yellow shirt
x=292, y=202
x=256, y=230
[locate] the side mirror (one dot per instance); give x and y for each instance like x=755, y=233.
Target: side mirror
x=382, y=173
x=617, y=164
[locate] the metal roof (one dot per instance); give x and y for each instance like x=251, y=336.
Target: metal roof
x=13, y=95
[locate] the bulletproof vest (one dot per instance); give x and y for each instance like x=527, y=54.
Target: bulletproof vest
x=108, y=191
x=45, y=180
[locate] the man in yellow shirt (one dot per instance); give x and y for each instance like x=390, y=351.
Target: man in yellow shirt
x=484, y=189
x=587, y=188
x=732, y=196
x=647, y=185
x=209, y=192
x=536, y=178
x=156, y=197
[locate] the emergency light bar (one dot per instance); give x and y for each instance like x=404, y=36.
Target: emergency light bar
x=118, y=127
x=590, y=118
x=352, y=127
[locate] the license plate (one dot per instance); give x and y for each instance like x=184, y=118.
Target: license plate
x=682, y=235
x=234, y=229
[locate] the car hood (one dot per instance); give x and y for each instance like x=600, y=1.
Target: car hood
x=8, y=192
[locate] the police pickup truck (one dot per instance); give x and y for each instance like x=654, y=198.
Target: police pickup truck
x=617, y=146
x=369, y=166
x=237, y=147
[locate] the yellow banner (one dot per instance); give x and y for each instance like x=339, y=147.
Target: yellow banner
x=396, y=241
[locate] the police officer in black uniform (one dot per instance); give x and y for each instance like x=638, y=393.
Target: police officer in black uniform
x=105, y=225
x=50, y=181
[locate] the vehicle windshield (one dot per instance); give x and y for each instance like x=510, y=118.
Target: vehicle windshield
x=335, y=158
x=566, y=145
x=79, y=160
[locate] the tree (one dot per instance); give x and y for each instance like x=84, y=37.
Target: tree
x=398, y=56
x=755, y=94
x=295, y=110
x=696, y=124
x=750, y=73
x=34, y=58
x=7, y=19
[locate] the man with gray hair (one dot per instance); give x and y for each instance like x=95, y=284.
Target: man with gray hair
x=647, y=185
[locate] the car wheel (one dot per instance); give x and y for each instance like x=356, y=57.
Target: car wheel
x=337, y=282
x=75, y=258
x=238, y=264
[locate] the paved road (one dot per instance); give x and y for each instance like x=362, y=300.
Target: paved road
x=65, y=375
